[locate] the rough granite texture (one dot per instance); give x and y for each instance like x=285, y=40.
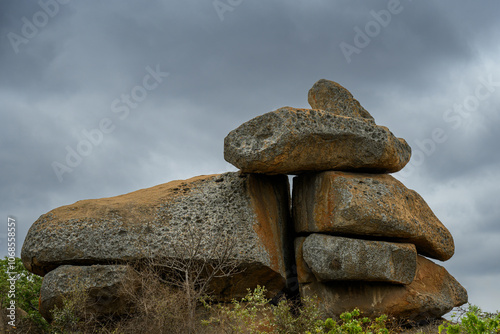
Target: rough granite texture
x=293, y=141
x=331, y=258
x=331, y=96
x=252, y=210
x=371, y=205
x=433, y=293
x=103, y=284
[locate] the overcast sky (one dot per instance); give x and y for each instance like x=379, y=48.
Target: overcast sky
x=164, y=82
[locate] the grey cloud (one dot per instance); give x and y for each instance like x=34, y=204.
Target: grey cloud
x=262, y=56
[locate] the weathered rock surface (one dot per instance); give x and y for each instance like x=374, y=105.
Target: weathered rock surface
x=331, y=258
x=433, y=293
x=372, y=205
x=103, y=285
x=292, y=141
x=162, y=221
x=331, y=96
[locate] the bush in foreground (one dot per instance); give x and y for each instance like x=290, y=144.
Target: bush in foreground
x=472, y=320
x=254, y=314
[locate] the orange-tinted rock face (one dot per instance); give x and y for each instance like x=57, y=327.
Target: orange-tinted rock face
x=293, y=141
x=250, y=211
x=433, y=293
x=368, y=205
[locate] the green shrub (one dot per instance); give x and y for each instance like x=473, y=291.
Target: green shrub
x=296, y=318
x=254, y=314
x=27, y=290
x=352, y=323
x=245, y=316
x=473, y=321
x=72, y=317
x=65, y=319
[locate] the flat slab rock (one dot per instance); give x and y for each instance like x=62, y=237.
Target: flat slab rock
x=326, y=258
x=373, y=205
x=293, y=141
x=103, y=284
x=433, y=293
x=250, y=211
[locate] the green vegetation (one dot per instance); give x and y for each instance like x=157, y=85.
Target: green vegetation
x=254, y=315
x=26, y=293
x=472, y=320
x=351, y=322
x=163, y=309
x=73, y=316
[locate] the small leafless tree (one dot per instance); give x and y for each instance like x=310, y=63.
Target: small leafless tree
x=188, y=267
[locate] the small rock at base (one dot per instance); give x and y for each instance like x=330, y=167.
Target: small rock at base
x=99, y=287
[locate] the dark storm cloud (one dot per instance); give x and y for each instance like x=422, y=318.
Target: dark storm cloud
x=263, y=55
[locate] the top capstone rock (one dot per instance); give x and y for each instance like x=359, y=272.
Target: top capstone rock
x=331, y=96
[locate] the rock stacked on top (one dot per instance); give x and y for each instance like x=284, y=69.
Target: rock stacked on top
x=294, y=141
x=330, y=96
x=342, y=136
x=357, y=236
x=361, y=233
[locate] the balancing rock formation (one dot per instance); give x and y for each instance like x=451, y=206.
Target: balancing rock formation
x=356, y=237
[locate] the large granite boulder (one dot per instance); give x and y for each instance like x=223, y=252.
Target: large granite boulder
x=97, y=289
x=293, y=141
x=371, y=205
x=433, y=293
x=168, y=221
x=331, y=96
x=331, y=258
